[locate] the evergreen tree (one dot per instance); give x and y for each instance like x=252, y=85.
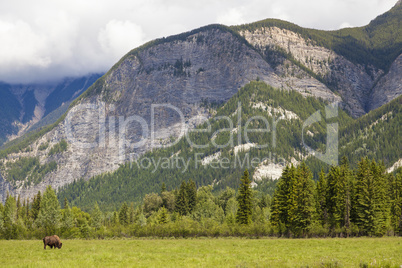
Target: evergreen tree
x=97, y=217
x=182, y=200
x=36, y=206
x=1, y=208
x=348, y=179
x=336, y=197
x=115, y=218
x=321, y=199
x=19, y=207
x=65, y=203
x=1, y=221
x=371, y=200
x=27, y=210
x=243, y=215
x=131, y=213
x=396, y=201
x=10, y=218
x=191, y=195
x=302, y=201
x=281, y=201
x=123, y=214
x=23, y=210
x=49, y=213
x=163, y=188
x=163, y=216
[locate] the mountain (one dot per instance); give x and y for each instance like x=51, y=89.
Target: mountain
x=171, y=85
x=362, y=64
x=368, y=135
x=23, y=106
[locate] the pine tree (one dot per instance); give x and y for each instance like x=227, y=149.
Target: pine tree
x=348, y=178
x=1, y=221
x=281, y=201
x=27, y=210
x=336, y=197
x=243, y=215
x=10, y=218
x=163, y=188
x=321, y=199
x=49, y=213
x=115, y=218
x=340, y=195
x=18, y=206
x=381, y=197
x=123, y=214
x=36, y=206
x=182, y=200
x=97, y=217
x=163, y=216
x=23, y=210
x=396, y=201
x=191, y=195
x=131, y=213
x=65, y=203
x=371, y=198
x=302, y=201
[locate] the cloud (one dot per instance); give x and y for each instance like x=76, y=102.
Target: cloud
x=50, y=39
x=345, y=25
x=120, y=36
x=233, y=17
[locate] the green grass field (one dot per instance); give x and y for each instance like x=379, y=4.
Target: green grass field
x=227, y=252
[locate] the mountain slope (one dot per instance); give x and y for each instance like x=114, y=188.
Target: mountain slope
x=349, y=61
x=9, y=112
x=371, y=135
x=26, y=105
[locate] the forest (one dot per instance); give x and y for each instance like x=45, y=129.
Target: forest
x=344, y=202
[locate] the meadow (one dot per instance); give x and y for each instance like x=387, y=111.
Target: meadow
x=206, y=252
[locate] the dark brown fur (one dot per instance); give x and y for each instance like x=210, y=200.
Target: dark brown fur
x=52, y=241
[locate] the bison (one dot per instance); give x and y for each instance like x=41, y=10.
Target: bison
x=52, y=241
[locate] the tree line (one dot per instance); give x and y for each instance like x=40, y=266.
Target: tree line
x=344, y=202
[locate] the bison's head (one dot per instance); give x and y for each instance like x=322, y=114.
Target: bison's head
x=60, y=245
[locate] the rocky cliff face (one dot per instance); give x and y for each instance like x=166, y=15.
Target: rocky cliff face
x=388, y=87
x=352, y=81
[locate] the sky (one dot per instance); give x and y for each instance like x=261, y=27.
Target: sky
x=46, y=40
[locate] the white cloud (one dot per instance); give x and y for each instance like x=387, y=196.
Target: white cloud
x=345, y=25
x=118, y=37
x=233, y=17
x=49, y=39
